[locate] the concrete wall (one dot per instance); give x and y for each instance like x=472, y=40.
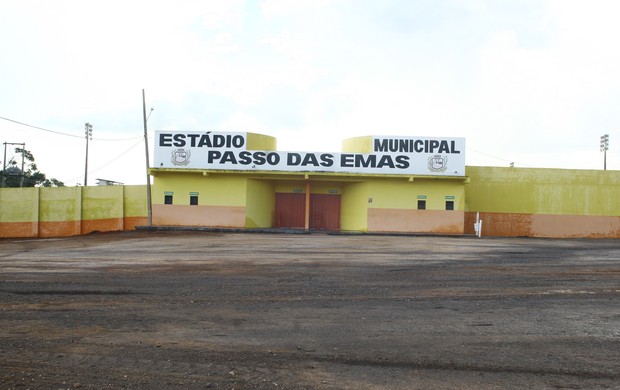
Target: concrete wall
x=70, y=211
x=60, y=211
x=135, y=211
x=19, y=212
x=543, y=202
x=511, y=202
x=221, y=200
x=393, y=206
x=261, y=204
x=354, y=207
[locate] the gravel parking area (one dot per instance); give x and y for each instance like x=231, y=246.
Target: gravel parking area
x=313, y=311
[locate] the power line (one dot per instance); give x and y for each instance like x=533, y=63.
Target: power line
x=40, y=128
x=110, y=161
x=65, y=134
x=497, y=158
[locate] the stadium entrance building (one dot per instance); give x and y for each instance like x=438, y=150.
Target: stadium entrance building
x=376, y=184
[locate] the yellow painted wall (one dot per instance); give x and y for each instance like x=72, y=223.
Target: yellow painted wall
x=60, y=204
x=357, y=145
x=102, y=209
x=316, y=187
x=19, y=212
x=543, y=191
x=260, y=142
x=134, y=201
x=102, y=202
x=354, y=207
x=288, y=186
x=221, y=199
x=325, y=187
x=135, y=207
x=68, y=211
x=60, y=211
x=395, y=202
x=214, y=189
x=511, y=201
x=260, y=209
x=19, y=204
x=402, y=194
x=538, y=202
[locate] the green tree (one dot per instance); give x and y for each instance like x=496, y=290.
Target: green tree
x=32, y=177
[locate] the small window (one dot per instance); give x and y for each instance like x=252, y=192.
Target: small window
x=167, y=199
x=193, y=200
x=421, y=204
x=449, y=205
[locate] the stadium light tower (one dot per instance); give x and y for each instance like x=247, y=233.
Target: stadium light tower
x=88, y=132
x=604, y=149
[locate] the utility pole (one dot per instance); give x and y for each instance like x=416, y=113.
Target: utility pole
x=4, y=162
x=148, y=177
x=3, y=166
x=604, y=149
x=88, y=132
x=22, y=173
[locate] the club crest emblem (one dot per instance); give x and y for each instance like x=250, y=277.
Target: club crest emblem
x=180, y=156
x=437, y=163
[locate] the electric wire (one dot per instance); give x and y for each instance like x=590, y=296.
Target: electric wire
x=108, y=162
x=499, y=158
x=65, y=134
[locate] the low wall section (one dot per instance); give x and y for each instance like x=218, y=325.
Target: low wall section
x=71, y=211
x=536, y=202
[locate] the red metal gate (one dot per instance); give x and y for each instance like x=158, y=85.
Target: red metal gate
x=325, y=212
x=290, y=210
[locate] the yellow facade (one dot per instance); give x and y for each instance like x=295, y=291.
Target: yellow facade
x=368, y=203
x=355, y=202
x=260, y=206
x=221, y=199
x=393, y=206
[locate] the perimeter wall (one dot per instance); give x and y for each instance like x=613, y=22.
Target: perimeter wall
x=70, y=211
x=537, y=202
x=510, y=202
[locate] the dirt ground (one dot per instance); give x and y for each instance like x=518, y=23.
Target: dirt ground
x=146, y=310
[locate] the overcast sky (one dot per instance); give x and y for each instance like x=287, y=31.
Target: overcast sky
x=532, y=82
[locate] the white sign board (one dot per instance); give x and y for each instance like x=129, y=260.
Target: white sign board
x=391, y=155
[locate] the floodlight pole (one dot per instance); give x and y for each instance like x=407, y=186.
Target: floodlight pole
x=88, y=133
x=604, y=149
x=148, y=176
x=4, y=165
x=21, y=179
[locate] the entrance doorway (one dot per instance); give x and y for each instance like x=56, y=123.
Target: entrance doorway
x=324, y=212
x=291, y=211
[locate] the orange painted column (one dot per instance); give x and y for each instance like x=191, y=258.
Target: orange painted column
x=307, y=216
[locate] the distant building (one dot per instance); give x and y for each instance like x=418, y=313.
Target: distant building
x=106, y=182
